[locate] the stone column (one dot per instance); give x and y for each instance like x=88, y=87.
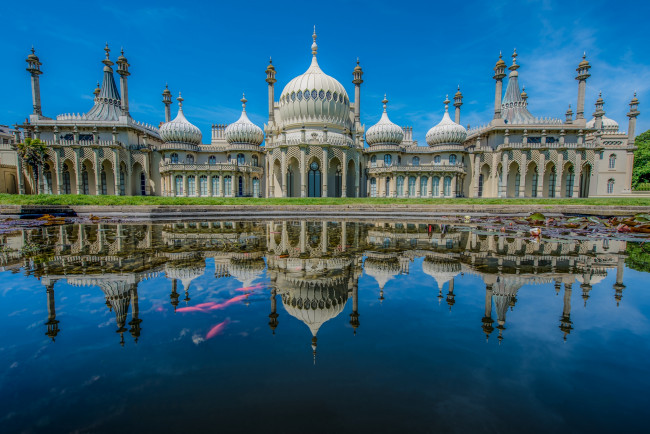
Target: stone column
x=233, y=184
x=523, y=171
x=476, y=166
x=453, y=186
x=185, y=192
x=441, y=186
x=503, y=189
x=197, y=185
x=324, y=173
x=77, y=169
x=19, y=176
x=344, y=178
x=418, y=190
x=540, y=179
x=303, y=171
x=559, y=171
x=98, y=173
x=221, y=182
x=283, y=178
x=116, y=171
x=430, y=185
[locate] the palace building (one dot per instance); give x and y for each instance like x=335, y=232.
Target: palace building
x=315, y=145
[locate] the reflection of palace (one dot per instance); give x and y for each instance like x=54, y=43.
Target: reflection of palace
x=315, y=145
x=313, y=267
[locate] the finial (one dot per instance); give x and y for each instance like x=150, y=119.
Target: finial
x=384, y=102
x=446, y=102
x=514, y=57
x=33, y=51
x=108, y=50
x=166, y=86
x=243, y=101
x=458, y=88
x=357, y=60
x=270, y=60
x=584, y=55
x=500, y=55
x=180, y=101
x=314, y=46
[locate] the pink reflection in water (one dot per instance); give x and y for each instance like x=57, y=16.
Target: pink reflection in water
x=217, y=330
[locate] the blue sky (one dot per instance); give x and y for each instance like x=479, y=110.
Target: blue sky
x=416, y=52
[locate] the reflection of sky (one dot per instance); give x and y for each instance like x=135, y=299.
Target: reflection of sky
x=413, y=362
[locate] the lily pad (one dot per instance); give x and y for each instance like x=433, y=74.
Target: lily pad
x=538, y=216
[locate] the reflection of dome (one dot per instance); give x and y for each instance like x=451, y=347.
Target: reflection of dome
x=590, y=278
x=447, y=131
x=441, y=271
x=384, y=131
x=180, y=130
x=185, y=273
x=246, y=270
x=244, y=131
x=314, y=304
x=382, y=269
x=609, y=125
x=315, y=97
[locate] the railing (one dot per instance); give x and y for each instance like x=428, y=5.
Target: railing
x=424, y=168
x=205, y=167
x=244, y=147
x=554, y=145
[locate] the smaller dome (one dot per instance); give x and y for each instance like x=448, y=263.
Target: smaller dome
x=500, y=63
x=447, y=131
x=384, y=131
x=121, y=58
x=584, y=61
x=244, y=131
x=609, y=125
x=180, y=130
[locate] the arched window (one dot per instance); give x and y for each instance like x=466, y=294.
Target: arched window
x=212, y=159
x=551, y=183
x=423, y=186
x=227, y=186
x=437, y=159
x=416, y=161
x=399, y=160
x=241, y=159
x=447, y=186
x=373, y=187
x=480, y=185
x=66, y=180
x=191, y=185
x=103, y=179
x=452, y=159
x=122, y=183
x=203, y=185
x=534, y=183
x=337, y=182
x=174, y=158
x=84, y=181
x=570, y=179
x=517, y=183
x=179, y=185
x=215, y=186
x=189, y=159
x=612, y=161
x=373, y=161
x=48, y=179
x=400, y=186
x=314, y=180
x=412, y=181
x=387, y=192
x=143, y=184
x=387, y=159
x=435, y=186
x=256, y=186
x=255, y=161
x=610, y=186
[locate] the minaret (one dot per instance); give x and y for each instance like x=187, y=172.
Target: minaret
x=34, y=68
x=583, y=75
x=123, y=70
x=524, y=95
x=357, y=74
x=458, y=101
x=586, y=288
x=97, y=90
x=270, y=79
x=450, y=294
x=273, y=317
x=487, y=319
x=52, y=323
x=618, y=286
x=565, y=320
x=167, y=100
x=174, y=295
x=499, y=74
x=599, y=113
x=632, y=114
x=135, y=312
x=569, y=116
x=354, y=316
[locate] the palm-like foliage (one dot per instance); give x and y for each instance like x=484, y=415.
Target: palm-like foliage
x=33, y=153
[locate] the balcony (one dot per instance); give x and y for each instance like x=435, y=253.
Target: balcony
x=166, y=167
x=424, y=168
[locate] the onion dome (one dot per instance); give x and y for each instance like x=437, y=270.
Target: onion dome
x=180, y=130
x=524, y=95
x=500, y=63
x=384, y=132
x=447, y=131
x=442, y=271
x=184, y=272
x=121, y=58
x=244, y=131
x=97, y=90
x=584, y=61
x=458, y=93
x=315, y=97
x=609, y=125
x=246, y=270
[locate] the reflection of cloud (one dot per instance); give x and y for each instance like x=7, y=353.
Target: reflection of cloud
x=91, y=380
x=13, y=365
x=107, y=323
x=197, y=339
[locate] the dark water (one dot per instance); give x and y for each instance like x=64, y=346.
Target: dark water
x=311, y=326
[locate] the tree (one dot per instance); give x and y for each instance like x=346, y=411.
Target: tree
x=641, y=172
x=33, y=153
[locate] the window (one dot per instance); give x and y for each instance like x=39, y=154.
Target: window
x=104, y=186
x=535, y=182
x=189, y=159
x=203, y=185
x=447, y=186
x=412, y=181
x=191, y=185
x=399, y=160
x=373, y=187
x=66, y=180
x=255, y=161
x=84, y=181
x=122, y=180
x=241, y=186
x=387, y=159
x=212, y=159
x=551, y=183
x=143, y=184
x=174, y=158
x=480, y=185
x=373, y=161
x=337, y=183
x=256, y=187
x=314, y=181
x=437, y=159
x=215, y=186
x=48, y=180
x=227, y=186
x=179, y=185
x=387, y=192
x=400, y=186
x=452, y=159
x=610, y=186
x=517, y=183
x=416, y=161
x=435, y=186
x=612, y=161
x=570, y=178
x=241, y=159
x=423, y=186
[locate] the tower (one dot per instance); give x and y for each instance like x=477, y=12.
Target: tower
x=167, y=100
x=52, y=323
x=270, y=79
x=123, y=70
x=458, y=101
x=583, y=75
x=357, y=74
x=487, y=319
x=632, y=114
x=618, y=286
x=599, y=112
x=135, y=312
x=273, y=316
x=354, y=316
x=34, y=68
x=499, y=74
x=565, y=320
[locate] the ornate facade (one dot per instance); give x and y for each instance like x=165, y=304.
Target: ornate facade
x=314, y=145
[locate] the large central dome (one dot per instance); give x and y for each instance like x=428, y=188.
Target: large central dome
x=315, y=97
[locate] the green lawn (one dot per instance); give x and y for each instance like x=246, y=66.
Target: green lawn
x=12, y=199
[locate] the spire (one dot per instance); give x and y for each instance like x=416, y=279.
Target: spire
x=514, y=65
x=180, y=100
x=314, y=46
x=446, y=103
x=108, y=103
x=384, y=102
x=243, y=102
x=514, y=105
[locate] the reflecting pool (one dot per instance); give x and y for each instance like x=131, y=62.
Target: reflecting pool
x=316, y=326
